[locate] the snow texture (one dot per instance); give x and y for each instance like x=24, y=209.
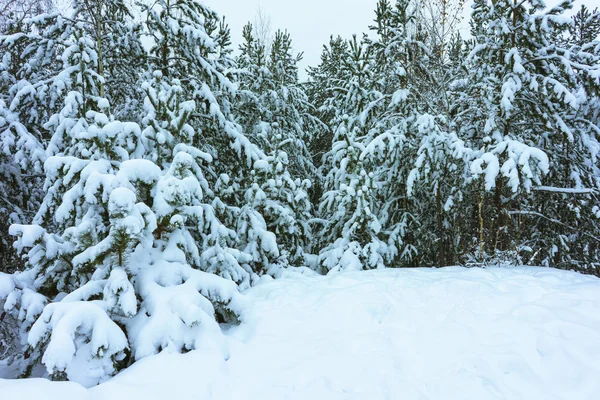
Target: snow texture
x=413, y=334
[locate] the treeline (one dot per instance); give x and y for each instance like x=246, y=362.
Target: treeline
x=148, y=172
x=449, y=151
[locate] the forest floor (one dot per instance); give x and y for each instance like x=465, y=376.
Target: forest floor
x=409, y=334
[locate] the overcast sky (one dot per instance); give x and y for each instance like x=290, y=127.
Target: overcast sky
x=311, y=22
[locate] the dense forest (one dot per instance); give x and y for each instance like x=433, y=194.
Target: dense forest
x=149, y=171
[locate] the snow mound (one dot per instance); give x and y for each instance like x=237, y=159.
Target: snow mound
x=451, y=333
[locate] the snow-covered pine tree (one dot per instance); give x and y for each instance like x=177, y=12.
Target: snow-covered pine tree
x=21, y=133
x=205, y=160
x=187, y=34
x=352, y=233
x=277, y=112
x=585, y=28
x=21, y=165
x=534, y=147
x=21, y=155
x=572, y=239
x=291, y=109
x=254, y=79
x=271, y=94
x=256, y=84
x=200, y=38
x=324, y=79
x=420, y=40
x=17, y=10
x=82, y=232
x=108, y=251
x=352, y=236
x=260, y=243
x=121, y=57
x=179, y=301
x=400, y=73
x=35, y=85
x=409, y=144
x=184, y=199
x=284, y=202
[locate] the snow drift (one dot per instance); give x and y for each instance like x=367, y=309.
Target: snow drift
x=412, y=334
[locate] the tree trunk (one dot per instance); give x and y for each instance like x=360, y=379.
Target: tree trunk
x=440, y=228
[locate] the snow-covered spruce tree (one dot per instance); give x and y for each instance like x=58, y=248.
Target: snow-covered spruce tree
x=324, y=80
x=271, y=94
x=352, y=235
x=35, y=85
x=21, y=132
x=410, y=143
x=80, y=234
x=276, y=110
x=121, y=57
x=187, y=34
x=525, y=114
x=198, y=38
x=352, y=232
x=184, y=199
x=585, y=28
x=108, y=251
x=17, y=10
x=422, y=41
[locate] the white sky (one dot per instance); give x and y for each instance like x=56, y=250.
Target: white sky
x=311, y=22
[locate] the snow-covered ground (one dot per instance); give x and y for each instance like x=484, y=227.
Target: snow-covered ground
x=410, y=334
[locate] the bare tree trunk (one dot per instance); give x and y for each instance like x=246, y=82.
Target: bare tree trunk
x=480, y=196
x=498, y=220
x=440, y=228
x=99, y=49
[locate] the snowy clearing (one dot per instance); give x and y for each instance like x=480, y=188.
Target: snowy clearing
x=451, y=333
